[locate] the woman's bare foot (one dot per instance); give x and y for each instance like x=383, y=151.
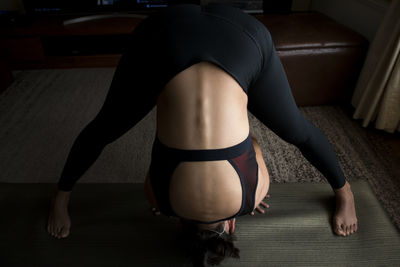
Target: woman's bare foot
x=345, y=219
x=59, y=223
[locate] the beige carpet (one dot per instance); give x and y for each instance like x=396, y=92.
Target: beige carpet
x=44, y=110
x=112, y=225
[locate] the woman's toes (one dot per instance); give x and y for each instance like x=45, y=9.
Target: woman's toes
x=339, y=230
x=64, y=232
x=343, y=227
x=344, y=230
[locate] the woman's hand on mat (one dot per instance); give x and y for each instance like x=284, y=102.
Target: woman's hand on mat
x=261, y=205
x=155, y=211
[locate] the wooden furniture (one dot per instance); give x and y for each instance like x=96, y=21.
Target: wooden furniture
x=321, y=57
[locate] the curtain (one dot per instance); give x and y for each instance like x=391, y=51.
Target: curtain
x=377, y=93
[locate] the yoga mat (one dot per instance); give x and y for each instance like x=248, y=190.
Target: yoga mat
x=112, y=225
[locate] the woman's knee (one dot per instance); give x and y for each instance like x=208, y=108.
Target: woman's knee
x=296, y=133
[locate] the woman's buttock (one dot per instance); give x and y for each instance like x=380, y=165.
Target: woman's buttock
x=205, y=191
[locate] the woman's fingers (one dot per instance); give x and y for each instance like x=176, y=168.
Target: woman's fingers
x=259, y=208
x=264, y=204
x=155, y=211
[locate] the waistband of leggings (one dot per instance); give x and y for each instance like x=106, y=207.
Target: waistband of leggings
x=202, y=154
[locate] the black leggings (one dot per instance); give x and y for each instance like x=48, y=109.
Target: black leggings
x=170, y=41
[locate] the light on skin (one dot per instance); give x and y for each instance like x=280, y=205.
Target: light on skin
x=229, y=226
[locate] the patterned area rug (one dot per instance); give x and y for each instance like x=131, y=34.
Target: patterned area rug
x=43, y=111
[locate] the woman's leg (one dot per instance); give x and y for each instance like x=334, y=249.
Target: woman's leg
x=128, y=101
x=132, y=94
x=272, y=102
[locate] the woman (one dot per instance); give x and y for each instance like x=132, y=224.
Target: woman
x=203, y=66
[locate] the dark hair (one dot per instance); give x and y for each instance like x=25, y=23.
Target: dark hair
x=206, y=247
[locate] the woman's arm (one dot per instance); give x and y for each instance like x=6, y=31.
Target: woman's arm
x=263, y=178
x=148, y=191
